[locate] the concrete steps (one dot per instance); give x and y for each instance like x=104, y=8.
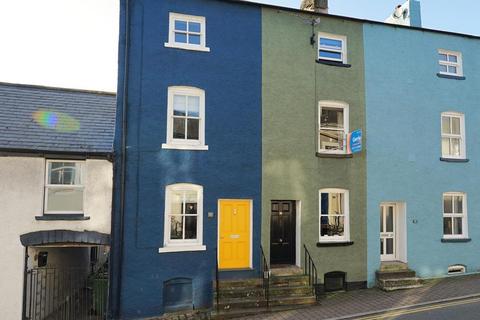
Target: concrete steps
x=238, y=298
x=397, y=276
x=258, y=292
x=243, y=303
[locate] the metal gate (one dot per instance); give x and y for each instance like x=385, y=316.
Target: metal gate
x=65, y=294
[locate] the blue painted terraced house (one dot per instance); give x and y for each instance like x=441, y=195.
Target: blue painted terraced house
x=188, y=146
x=423, y=150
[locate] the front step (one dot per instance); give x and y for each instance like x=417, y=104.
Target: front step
x=258, y=292
x=397, y=276
x=275, y=281
x=243, y=303
x=393, y=266
x=247, y=297
x=384, y=275
x=399, y=284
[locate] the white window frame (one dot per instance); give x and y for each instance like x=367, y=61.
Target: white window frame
x=338, y=105
x=185, y=144
x=458, y=64
x=61, y=186
x=177, y=245
x=343, y=51
x=463, y=215
x=187, y=46
x=461, y=136
x=346, y=197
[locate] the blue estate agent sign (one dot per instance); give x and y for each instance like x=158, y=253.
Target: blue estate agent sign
x=355, y=141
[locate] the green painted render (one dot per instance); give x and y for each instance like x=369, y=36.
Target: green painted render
x=293, y=83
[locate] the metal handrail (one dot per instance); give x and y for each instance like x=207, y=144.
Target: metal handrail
x=311, y=270
x=266, y=278
x=217, y=286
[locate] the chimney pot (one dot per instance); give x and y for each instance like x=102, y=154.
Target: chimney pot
x=315, y=5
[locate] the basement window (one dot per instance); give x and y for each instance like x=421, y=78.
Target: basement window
x=335, y=281
x=457, y=269
x=178, y=294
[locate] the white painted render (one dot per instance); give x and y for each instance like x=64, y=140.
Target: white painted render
x=21, y=199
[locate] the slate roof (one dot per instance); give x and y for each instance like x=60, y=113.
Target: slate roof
x=45, y=119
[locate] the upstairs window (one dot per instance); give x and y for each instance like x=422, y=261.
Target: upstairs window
x=454, y=215
x=64, y=188
x=332, y=127
x=450, y=63
x=186, y=119
x=453, y=135
x=187, y=32
x=332, y=48
x=334, y=215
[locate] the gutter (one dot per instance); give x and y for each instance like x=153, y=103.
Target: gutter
x=51, y=154
x=118, y=237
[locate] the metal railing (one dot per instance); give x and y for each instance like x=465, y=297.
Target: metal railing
x=266, y=278
x=310, y=270
x=217, y=286
x=65, y=294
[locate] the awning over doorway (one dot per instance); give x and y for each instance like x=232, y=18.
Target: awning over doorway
x=47, y=237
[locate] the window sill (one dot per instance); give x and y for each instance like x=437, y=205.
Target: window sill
x=62, y=217
x=455, y=240
x=453, y=160
x=184, y=147
x=334, y=63
x=448, y=76
x=334, y=155
x=186, y=47
x=182, y=248
x=334, y=244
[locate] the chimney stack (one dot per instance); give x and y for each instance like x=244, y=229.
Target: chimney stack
x=315, y=5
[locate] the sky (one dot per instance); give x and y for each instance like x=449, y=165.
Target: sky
x=73, y=43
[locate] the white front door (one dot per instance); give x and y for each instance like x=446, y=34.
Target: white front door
x=387, y=232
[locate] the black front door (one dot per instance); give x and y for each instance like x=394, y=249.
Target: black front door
x=282, y=232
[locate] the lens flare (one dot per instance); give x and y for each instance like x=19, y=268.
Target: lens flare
x=57, y=121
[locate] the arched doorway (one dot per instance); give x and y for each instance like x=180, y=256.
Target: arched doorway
x=66, y=274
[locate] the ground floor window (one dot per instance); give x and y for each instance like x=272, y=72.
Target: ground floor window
x=454, y=215
x=183, y=214
x=334, y=215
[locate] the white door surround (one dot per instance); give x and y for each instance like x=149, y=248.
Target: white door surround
x=393, y=231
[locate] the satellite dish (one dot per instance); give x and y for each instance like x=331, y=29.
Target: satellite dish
x=400, y=12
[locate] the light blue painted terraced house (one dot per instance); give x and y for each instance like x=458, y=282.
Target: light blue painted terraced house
x=422, y=105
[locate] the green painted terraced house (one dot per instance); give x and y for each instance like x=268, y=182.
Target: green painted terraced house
x=313, y=191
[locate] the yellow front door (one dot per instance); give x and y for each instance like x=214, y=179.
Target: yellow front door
x=234, y=234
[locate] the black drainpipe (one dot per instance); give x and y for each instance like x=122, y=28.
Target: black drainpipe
x=119, y=243
x=25, y=275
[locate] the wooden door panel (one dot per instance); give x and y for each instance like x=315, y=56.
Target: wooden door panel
x=282, y=232
x=234, y=234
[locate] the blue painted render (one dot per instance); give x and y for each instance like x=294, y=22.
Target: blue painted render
x=231, y=169
x=404, y=101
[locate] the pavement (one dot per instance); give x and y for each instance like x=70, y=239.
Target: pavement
x=364, y=304
x=466, y=309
